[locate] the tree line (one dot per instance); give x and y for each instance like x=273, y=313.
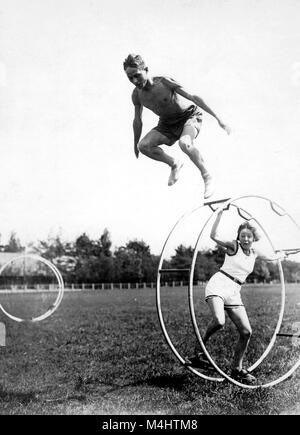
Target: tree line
x=89, y=260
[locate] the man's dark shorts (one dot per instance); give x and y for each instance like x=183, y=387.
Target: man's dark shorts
x=172, y=127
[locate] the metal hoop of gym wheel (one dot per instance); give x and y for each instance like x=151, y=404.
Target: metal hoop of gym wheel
x=245, y=215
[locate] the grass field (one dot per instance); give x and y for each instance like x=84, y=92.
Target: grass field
x=103, y=352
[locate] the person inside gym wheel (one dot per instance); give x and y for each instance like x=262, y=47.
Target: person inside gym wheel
x=223, y=292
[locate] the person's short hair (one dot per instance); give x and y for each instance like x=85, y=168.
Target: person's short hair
x=247, y=226
x=134, y=61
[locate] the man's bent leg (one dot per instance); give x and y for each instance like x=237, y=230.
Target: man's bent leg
x=149, y=146
x=186, y=143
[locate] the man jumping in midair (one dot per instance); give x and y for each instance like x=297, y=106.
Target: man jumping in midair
x=178, y=119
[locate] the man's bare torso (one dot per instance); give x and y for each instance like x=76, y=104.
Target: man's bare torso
x=161, y=98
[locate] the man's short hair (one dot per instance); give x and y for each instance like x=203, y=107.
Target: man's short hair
x=134, y=61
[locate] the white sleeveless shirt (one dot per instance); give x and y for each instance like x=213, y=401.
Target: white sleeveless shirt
x=239, y=265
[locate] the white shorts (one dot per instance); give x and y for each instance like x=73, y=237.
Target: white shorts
x=228, y=290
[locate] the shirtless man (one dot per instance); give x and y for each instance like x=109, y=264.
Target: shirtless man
x=179, y=120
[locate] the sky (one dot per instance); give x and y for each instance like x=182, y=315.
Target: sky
x=67, y=160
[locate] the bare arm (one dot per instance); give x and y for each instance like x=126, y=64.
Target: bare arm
x=230, y=245
x=272, y=256
x=137, y=122
x=199, y=102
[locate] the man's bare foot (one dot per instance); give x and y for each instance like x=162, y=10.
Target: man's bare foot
x=209, y=187
x=175, y=169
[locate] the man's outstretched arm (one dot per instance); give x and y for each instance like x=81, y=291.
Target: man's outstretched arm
x=199, y=102
x=137, y=122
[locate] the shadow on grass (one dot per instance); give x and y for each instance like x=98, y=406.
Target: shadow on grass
x=24, y=398
x=90, y=388
x=80, y=393
x=18, y=396
x=174, y=382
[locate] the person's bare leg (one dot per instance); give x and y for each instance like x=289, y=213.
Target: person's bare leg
x=149, y=146
x=216, y=306
x=240, y=319
x=186, y=143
